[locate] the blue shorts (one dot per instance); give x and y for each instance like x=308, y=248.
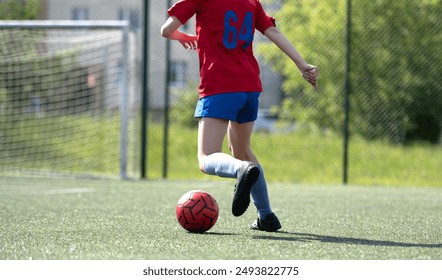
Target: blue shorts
x=240, y=107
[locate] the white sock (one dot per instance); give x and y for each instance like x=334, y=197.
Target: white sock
x=222, y=164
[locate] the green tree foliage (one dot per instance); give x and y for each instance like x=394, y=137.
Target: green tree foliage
x=16, y=44
x=29, y=77
x=20, y=9
x=317, y=30
x=395, y=64
x=17, y=10
x=184, y=109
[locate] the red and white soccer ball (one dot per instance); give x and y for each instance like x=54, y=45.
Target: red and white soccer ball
x=197, y=211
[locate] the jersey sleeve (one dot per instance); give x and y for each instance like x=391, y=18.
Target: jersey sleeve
x=183, y=10
x=263, y=21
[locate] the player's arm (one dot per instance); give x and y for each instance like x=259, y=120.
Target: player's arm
x=170, y=30
x=309, y=72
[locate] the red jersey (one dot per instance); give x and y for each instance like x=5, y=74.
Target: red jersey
x=225, y=30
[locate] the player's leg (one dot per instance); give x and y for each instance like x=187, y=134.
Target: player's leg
x=214, y=113
x=239, y=136
x=211, y=133
x=239, y=142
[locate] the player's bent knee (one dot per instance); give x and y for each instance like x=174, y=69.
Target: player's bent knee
x=247, y=156
x=201, y=166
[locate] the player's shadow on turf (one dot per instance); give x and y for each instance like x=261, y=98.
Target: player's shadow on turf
x=308, y=237
x=213, y=233
x=221, y=233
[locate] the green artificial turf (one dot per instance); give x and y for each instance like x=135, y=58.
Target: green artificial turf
x=69, y=219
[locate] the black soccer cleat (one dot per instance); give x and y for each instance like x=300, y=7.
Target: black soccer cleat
x=247, y=176
x=270, y=223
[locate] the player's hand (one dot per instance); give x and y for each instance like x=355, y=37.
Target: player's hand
x=311, y=74
x=189, y=42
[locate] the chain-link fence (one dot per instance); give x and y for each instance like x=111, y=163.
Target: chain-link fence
x=375, y=119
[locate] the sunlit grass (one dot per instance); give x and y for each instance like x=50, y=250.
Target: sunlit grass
x=92, y=146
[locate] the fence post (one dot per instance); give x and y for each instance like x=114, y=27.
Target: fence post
x=145, y=91
x=167, y=107
x=347, y=93
x=124, y=97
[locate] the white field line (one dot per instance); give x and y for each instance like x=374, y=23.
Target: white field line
x=47, y=191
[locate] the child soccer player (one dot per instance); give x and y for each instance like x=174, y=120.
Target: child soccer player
x=229, y=89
